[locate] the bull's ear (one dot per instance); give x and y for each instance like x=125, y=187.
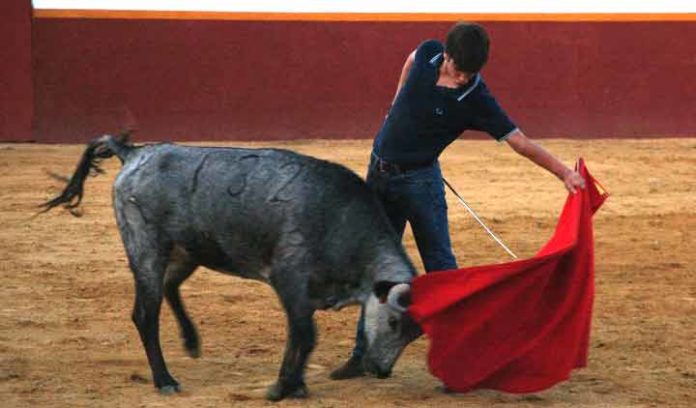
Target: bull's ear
x=381, y=290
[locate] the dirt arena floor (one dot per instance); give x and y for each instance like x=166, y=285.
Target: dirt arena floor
x=66, y=338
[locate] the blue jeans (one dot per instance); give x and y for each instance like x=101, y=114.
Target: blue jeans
x=417, y=197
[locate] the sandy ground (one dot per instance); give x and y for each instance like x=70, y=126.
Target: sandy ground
x=66, y=339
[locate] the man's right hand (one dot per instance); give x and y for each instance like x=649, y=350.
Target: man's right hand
x=572, y=181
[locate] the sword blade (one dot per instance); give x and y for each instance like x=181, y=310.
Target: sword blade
x=478, y=219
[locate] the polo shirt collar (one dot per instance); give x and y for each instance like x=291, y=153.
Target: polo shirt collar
x=469, y=87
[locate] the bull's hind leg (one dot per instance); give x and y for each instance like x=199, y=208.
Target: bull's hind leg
x=179, y=269
x=301, y=337
x=148, y=256
x=149, y=272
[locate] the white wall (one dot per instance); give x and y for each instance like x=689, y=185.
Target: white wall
x=384, y=6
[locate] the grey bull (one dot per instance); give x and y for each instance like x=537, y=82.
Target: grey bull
x=309, y=228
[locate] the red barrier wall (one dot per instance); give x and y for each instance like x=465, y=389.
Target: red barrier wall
x=224, y=80
x=16, y=94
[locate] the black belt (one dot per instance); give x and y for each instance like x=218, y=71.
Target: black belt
x=389, y=167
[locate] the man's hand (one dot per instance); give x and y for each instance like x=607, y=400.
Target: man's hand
x=572, y=181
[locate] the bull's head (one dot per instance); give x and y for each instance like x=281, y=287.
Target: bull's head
x=389, y=329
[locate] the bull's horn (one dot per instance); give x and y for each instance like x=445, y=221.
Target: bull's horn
x=395, y=293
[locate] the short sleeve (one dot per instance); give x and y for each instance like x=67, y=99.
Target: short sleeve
x=489, y=117
x=426, y=67
x=430, y=53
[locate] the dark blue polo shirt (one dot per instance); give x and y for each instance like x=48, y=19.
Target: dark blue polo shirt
x=426, y=118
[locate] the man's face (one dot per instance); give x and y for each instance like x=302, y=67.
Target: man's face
x=451, y=70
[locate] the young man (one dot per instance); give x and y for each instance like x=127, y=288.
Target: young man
x=440, y=95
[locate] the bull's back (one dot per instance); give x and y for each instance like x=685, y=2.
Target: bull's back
x=234, y=208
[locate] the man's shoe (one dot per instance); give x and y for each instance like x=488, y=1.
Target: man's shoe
x=351, y=369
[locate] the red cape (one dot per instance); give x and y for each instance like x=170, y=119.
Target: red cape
x=520, y=326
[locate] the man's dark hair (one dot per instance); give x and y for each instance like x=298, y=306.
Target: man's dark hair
x=467, y=44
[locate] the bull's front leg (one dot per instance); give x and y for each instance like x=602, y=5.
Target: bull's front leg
x=300, y=343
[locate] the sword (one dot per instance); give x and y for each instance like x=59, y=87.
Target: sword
x=476, y=217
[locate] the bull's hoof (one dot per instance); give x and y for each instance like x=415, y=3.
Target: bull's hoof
x=169, y=389
x=301, y=392
x=277, y=392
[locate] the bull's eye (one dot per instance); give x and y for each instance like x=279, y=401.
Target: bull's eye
x=393, y=323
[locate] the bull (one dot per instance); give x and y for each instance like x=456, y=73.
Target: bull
x=309, y=228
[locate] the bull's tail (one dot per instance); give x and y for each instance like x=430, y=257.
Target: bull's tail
x=98, y=149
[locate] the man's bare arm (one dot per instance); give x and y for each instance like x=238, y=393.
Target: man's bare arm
x=537, y=154
x=404, y=73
